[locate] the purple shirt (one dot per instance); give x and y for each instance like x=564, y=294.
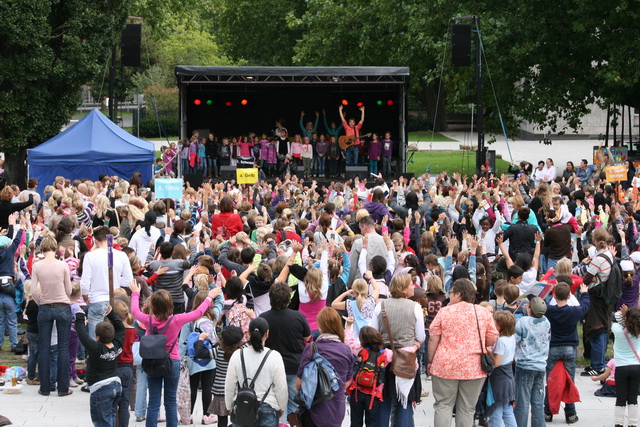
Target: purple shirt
x=387, y=148
x=322, y=147
x=375, y=148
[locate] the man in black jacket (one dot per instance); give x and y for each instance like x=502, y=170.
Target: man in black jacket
x=521, y=235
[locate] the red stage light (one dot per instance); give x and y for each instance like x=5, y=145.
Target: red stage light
x=390, y=102
x=228, y=103
x=359, y=104
x=345, y=102
x=197, y=102
x=244, y=102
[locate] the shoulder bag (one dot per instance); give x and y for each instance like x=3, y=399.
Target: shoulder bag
x=404, y=362
x=486, y=362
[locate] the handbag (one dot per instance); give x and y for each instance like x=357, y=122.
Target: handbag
x=486, y=362
x=404, y=362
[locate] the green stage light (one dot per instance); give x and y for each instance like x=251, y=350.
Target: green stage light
x=209, y=102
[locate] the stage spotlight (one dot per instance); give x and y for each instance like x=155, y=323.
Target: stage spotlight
x=345, y=102
x=244, y=102
x=197, y=102
x=390, y=102
x=209, y=102
x=359, y=104
x=379, y=102
x=228, y=103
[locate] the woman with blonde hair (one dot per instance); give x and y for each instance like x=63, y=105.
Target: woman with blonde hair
x=105, y=215
x=402, y=319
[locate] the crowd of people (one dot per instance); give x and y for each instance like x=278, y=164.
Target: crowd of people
x=311, y=151
x=478, y=283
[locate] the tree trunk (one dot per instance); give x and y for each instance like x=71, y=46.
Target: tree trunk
x=14, y=167
x=435, y=108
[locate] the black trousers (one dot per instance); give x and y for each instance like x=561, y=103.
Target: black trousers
x=627, y=384
x=206, y=379
x=361, y=408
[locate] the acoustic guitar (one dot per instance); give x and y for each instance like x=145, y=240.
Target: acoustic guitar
x=351, y=140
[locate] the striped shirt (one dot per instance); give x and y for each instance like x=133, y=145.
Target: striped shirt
x=600, y=268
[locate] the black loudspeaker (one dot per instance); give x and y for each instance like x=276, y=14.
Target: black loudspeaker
x=227, y=173
x=130, y=42
x=194, y=179
x=353, y=171
x=461, y=45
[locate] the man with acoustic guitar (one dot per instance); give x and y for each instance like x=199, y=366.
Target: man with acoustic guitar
x=351, y=139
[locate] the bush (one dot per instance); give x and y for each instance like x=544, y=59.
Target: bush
x=418, y=122
x=149, y=126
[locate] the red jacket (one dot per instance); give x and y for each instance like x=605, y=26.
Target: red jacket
x=561, y=388
x=232, y=221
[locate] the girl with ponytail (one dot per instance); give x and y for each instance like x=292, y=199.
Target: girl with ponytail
x=262, y=367
x=626, y=348
x=145, y=237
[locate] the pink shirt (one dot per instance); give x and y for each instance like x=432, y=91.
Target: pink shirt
x=296, y=149
x=173, y=331
x=457, y=356
x=245, y=148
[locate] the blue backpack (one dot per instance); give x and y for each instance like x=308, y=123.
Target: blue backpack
x=203, y=325
x=319, y=381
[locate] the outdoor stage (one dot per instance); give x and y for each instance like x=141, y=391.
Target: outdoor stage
x=233, y=101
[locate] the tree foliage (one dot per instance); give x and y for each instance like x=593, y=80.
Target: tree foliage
x=47, y=50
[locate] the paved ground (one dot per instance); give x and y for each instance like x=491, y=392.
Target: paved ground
x=32, y=410
x=560, y=151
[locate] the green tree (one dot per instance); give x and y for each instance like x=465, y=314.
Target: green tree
x=47, y=50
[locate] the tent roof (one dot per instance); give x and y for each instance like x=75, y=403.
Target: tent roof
x=187, y=70
x=93, y=139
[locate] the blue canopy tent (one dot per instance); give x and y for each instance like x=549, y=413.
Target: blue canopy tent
x=91, y=147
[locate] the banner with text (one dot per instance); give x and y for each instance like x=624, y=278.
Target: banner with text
x=616, y=173
x=168, y=188
x=247, y=176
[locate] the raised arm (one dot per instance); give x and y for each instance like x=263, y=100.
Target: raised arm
x=340, y=108
x=362, y=118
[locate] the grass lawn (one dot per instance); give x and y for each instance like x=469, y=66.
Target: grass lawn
x=449, y=161
x=120, y=114
x=425, y=136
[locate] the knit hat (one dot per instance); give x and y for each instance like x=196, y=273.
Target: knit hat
x=232, y=335
x=537, y=305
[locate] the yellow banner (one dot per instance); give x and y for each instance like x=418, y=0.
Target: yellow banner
x=247, y=176
x=616, y=173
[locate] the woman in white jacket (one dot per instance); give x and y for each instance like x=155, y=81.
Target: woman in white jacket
x=142, y=239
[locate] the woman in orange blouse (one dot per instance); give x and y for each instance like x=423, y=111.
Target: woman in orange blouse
x=454, y=354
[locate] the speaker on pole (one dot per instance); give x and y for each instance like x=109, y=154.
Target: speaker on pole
x=130, y=42
x=227, y=173
x=461, y=45
x=194, y=179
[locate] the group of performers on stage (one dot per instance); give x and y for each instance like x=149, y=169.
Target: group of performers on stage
x=315, y=153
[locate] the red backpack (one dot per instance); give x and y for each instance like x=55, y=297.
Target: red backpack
x=369, y=374
x=223, y=230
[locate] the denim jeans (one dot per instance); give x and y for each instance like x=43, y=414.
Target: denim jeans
x=292, y=406
x=8, y=319
x=125, y=373
x=170, y=383
x=95, y=316
x=598, y=350
x=352, y=156
x=502, y=413
x=373, y=166
x=32, y=362
x=403, y=416
x=61, y=315
x=322, y=161
x=568, y=356
x=386, y=165
x=141, y=393
x=213, y=167
x=185, y=166
x=530, y=392
x=103, y=403
x=53, y=367
x=267, y=417
x=551, y=263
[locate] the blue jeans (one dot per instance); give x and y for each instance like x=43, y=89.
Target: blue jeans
x=292, y=406
x=352, y=156
x=103, y=403
x=551, y=263
x=373, y=166
x=568, y=356
x=185, y=166
x=213, y=167
x=53, y=366
x=598, y=350
x=502, y=413
x=141, y=393
x=267, y=417
x=321, y=165
x=126, y=379
x=33, y=355
x=403, y=416
x=8, y=319
x=47, y=314
x=530, y=392
x=170, y=382
x=95, y=315
x=386, y=165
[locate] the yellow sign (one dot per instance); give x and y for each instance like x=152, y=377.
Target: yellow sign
x=616, y=173
x=247, y=176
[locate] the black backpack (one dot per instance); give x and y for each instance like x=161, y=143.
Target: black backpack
x=153, y=350
x=611, y=290
x=246, y=405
